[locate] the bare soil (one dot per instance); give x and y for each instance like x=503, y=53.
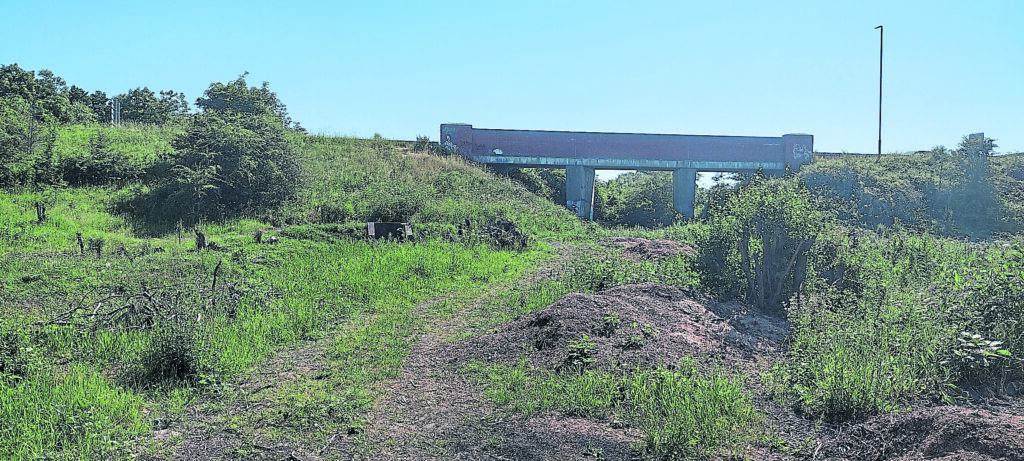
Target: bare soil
x=641, y=249
x=941, y=433
x=644, y=325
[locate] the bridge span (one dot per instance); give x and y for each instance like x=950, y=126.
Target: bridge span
x=581, y=153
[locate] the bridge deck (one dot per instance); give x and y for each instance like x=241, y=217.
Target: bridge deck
x=580, y=153
x=626, y=150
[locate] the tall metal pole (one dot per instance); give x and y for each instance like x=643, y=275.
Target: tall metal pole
x=881, y=40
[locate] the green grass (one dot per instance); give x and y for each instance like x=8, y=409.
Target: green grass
x=68, y=211
x=893, y=330
x=75, y=413
x=683, y=413
x=375, y=180
x=358, y=293
x=137, y=143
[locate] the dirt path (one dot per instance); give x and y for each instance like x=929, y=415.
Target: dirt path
x=432, y=411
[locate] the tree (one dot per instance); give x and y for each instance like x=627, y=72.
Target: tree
x=142, y=105
x=640, y=198
x=26, y=133
x=976, y=206
x=239, y=97
x=47, y=93
x=234, y=156
x=764, y=231
x=99, y=103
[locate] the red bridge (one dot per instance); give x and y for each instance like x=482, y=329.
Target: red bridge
x=581, y=153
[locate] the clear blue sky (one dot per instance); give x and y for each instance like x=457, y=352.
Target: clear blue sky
x=712, y=67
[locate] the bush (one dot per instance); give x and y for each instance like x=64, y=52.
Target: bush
x=766, y=231
x=234, y=157
x=173, y=355
x=101, y=167
x=639, y=199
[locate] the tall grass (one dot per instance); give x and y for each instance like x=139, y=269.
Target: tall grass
x=68, y=211
x=683, y=413
x=892, y=329
x=68, y=414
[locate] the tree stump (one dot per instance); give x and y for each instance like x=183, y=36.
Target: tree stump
x=200, y=239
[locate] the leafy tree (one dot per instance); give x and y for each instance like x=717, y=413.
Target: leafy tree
x=99, y=103
x=234, y=156
x=763, y=236
x=173, y=103
x=142, y=105
x=640, y=199
x=976, y=205
x=26, y=134
x=15, y=81
x=76, y=94
x=47, y=93
x=239, y=97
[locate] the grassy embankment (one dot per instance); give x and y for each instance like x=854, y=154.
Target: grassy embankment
x=96, y=387
x=889, y=328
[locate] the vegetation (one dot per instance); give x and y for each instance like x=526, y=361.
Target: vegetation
x=683, y=413
x=899, y=278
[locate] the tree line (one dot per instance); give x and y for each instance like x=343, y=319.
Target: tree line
x=231, y=155
x=48, y=98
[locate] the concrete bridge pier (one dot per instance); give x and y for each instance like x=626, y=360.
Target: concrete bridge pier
x=579, y=190
x=684, y=190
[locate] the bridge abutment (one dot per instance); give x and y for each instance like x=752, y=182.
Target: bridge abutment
x=579, y=190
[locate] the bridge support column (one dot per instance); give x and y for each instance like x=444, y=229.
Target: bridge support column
x=684, y=190
x=579, y=190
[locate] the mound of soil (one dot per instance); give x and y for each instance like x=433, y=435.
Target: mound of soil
x=945, y=433
x=646, y=324
x=640, y=249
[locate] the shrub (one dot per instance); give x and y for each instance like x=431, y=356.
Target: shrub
x=173, y=355
x=102, y=166
x=234, y=156
x=766, y=230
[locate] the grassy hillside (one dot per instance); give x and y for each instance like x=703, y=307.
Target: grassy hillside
x=98, y=344
x=932, y=192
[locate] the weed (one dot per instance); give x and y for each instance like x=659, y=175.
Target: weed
x=631, y=342
x=580, y=353
x=974, y=356
x=14, y=353
x=682, y=413
x=607, y=328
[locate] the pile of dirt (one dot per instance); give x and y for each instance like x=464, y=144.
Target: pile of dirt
x=945, y=433
x=646, y=324
x=640, y=249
